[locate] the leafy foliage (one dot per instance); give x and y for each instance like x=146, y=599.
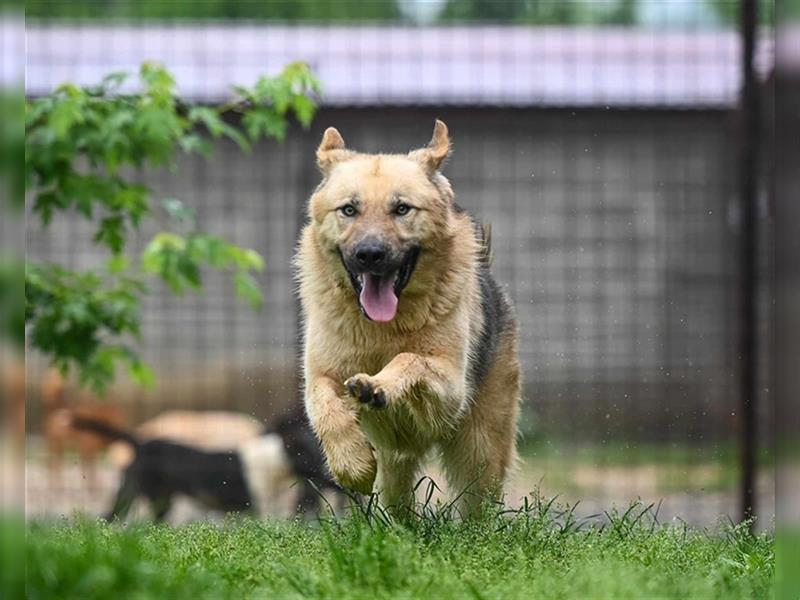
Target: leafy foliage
x=541, y=12
x=12, y=301
x=72, y=313
x=283, y=10
x=12, y=150
x=12, y=194
x=729, y=11
x=84, y=148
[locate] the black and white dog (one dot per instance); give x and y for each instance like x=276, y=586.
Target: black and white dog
x=249, y=479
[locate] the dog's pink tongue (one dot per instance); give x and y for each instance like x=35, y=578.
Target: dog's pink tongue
x=378, y=298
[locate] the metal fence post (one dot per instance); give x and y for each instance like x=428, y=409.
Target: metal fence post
x=748, y=192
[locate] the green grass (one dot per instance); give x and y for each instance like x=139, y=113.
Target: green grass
x=537, y=552
x=12, y=559
x=637, y=453
x=787, y=551
x=678, y=467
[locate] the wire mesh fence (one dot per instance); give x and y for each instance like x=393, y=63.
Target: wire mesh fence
x=604, y=161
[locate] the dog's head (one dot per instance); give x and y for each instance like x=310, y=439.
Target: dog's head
x=376, y=214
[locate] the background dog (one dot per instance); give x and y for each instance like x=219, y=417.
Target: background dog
x=250, y=478
x=161, y=469
x=410, y=345
x=214, y=430
x=62, y=437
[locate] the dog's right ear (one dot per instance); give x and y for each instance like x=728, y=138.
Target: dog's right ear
x=438, y=149
x=331, y=150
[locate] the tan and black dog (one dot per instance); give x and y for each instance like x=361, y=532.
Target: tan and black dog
x=410, y=345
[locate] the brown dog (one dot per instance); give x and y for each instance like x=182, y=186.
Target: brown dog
x=410, y=345
x=60, y=434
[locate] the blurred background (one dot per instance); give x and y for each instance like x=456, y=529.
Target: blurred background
x=601, y=139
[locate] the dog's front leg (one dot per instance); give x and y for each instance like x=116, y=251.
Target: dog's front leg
x=350, y=456
x=440, y=376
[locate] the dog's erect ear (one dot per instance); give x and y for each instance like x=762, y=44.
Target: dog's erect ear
x=331, y=150
x=437, y=150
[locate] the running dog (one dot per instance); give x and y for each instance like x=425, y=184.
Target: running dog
x=248, y=479
x=410, y=344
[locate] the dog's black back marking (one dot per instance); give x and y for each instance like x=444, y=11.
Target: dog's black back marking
x=162, y=469
x=104, y=429
x=496, y=315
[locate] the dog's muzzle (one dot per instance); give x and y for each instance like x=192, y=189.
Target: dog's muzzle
x=379, y=275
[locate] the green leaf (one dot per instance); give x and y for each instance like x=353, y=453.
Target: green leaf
x=65, y=114
x=252, y=260
x=247, y=288
x=208, y=117
x=72, y=316
x=114, y=80
x=265, y=121
x=195, y=143
x=142, y=374
x=304, y=109
x=189, y=271
x=117, y=264
x=246, y=259
x=235, y=135
x=45, y=204
x=244, y=93
x=111, y=233
x=158, y=81
x=131, y=200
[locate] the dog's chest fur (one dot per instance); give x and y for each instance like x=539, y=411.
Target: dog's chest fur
x=409, y=428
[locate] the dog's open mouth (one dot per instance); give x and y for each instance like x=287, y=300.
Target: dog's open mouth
x=379, y=293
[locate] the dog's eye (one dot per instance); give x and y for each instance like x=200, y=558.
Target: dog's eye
x=402, y=209
x=348, y=210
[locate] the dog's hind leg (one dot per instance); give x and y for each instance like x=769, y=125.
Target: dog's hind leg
x=473, y=473
x=480, y=455
x=89, y=470
x=126, y=494
x=55, y=465
x=397, y=475
x=160, y=506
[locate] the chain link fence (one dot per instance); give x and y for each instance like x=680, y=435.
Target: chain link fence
x=605, y=161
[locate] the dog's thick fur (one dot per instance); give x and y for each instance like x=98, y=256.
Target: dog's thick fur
x=442, y=373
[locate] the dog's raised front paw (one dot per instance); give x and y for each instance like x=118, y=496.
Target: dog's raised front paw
x=364, y=389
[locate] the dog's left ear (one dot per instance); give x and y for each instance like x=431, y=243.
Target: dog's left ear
x=437, y=150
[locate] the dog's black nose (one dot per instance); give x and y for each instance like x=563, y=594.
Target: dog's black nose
x=371, y=254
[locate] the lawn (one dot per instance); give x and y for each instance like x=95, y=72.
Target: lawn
x=657, y=468
x=536, y=552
